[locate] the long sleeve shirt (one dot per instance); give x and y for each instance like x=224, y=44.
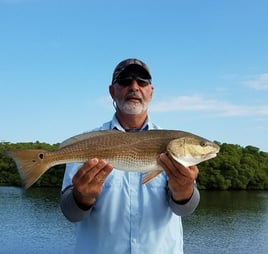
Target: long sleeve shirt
x=128, y=217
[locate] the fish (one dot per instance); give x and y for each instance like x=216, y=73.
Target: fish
x=127, y=151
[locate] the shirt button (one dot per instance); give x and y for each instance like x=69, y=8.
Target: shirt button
x=134, y=241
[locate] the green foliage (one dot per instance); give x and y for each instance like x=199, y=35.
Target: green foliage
x=235, y=168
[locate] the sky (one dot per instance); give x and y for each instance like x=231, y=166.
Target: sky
x=208, y=59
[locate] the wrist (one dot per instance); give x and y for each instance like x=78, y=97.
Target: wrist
x=82, y=201
x=182, y=197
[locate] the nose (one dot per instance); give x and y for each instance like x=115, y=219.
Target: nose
x=134, y=86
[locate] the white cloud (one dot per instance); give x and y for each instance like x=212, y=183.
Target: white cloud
x=201, y=104
x=182, y=103
x=259, y=83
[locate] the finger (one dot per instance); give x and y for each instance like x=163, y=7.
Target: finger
x=97, y=168
x=171, y=167
x=94, y=171
x=88, y=171
x=163, y=162
x=181, y=170
x=195, y=171
x=87, y=166
x=103, y=173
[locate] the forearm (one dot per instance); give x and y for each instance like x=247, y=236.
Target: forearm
x=187, y=208
x=71, y=210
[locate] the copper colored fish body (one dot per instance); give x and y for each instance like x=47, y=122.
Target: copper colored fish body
x=136, y=152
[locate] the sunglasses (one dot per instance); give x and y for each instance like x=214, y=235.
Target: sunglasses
x=124, y=82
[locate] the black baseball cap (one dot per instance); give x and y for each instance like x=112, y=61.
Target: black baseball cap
x=131, y=67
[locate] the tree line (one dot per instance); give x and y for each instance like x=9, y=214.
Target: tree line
x=234, y=168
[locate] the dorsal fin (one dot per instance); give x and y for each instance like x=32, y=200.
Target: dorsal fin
x=84, y=136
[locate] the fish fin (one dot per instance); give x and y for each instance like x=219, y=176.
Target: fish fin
x=83, y=136
x=31, y=165
x=151, y=175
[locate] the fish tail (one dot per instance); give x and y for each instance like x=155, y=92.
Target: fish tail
x=31, y=165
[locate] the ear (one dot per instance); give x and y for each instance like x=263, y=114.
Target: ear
x=152, y=91
x=111, y=90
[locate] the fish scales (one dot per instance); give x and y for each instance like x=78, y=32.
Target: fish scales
x=133, y=154
x=130, y=147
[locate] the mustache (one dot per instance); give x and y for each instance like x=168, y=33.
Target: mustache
x=133, y=95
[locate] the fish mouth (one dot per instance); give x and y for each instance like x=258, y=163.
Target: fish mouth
x=210, y=155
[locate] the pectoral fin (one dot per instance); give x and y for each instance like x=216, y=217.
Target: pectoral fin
x=150, y=176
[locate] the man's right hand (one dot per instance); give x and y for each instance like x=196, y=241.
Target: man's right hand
x=87, y=182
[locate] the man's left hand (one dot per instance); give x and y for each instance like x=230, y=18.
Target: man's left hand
x=181, y=179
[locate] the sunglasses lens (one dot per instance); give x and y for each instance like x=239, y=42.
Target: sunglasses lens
x=124, y=82
x=142, y=82
x=128, y=81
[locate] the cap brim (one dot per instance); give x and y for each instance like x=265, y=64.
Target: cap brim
x=135, y=69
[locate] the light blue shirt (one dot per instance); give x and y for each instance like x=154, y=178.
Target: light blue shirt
x=128, y=217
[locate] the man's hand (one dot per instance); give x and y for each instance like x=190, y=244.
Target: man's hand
x=181, y=179
x=88, y=180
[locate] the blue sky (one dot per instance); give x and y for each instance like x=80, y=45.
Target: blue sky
x=209, y=61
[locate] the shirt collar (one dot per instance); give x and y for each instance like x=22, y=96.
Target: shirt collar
x=116, y=125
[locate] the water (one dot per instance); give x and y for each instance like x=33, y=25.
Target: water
x=31, y=222
x=225, y=222
x=228, y=222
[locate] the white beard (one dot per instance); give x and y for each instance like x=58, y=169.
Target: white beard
x=132, y=108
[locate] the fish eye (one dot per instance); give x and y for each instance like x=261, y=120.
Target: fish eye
x=41, y=156
x=203, y=143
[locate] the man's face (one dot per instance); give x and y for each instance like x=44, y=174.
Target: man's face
x=132, y=96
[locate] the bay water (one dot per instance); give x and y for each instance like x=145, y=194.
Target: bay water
x=225, y=222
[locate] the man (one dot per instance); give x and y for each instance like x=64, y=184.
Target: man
x=114, y=212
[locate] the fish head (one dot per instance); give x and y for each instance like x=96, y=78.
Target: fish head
x=191, y=150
